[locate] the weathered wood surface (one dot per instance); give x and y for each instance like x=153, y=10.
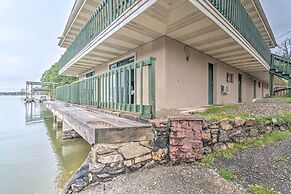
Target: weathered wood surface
x=99, y=127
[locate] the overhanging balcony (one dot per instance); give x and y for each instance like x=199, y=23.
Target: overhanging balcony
x=220, y=28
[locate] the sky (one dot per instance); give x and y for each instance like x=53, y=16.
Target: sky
x=29, y=32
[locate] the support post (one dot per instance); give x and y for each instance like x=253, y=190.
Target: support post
x=271, y=84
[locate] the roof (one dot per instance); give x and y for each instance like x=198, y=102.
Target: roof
x=256, y=11
x=80, y=13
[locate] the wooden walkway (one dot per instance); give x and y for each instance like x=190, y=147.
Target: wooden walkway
x=100, y=127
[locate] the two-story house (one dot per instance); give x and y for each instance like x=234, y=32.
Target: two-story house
x=150, y=55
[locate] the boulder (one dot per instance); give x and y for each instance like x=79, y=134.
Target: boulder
x=223, y=137
x=133, y=150
x=275, y=122
x=225, y=125
x=111, y=158
x=219, y=146
x=250, y=122
x=206, y=135
x=238, y=121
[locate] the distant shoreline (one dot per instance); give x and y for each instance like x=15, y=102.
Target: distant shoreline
x=12, y=94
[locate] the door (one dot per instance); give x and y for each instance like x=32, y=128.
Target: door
x=239, y=88
x=210, y=84
x=255, y=89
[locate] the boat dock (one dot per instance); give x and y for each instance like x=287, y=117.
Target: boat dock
x=97, y=126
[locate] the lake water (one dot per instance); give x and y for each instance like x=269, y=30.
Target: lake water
x=33, y=157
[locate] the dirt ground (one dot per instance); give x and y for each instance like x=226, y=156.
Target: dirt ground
x=170, y=179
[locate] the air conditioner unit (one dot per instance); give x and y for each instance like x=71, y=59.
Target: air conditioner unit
x=225, y=89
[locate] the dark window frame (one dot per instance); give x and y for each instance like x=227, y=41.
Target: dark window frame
x=229, y=78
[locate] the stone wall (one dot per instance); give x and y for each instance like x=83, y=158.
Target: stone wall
x=185, y=139
x=106, y=161
x=176, y=139
x=219, y=135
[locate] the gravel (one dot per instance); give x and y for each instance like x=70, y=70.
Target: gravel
x=170, y=179
x=269, y=166
x=263, y=107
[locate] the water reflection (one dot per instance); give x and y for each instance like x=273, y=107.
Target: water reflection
x=34, y=159
x=70, y=153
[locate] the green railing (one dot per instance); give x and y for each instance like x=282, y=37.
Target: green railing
x=106, y=12
x=236, y=14
x=282, y=65
x=121, y=88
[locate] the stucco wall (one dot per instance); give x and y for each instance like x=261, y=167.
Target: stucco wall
x=187, y=81
x=183, y=84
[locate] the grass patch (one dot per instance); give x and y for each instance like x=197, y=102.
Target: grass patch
x=221, y=112
x=257, y=189
x=228, y=153
x=226, y=174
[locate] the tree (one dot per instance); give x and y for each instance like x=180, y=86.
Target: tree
x=52, y=75
x=285, y=48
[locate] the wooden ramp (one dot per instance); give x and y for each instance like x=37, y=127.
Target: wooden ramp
x=100, y=127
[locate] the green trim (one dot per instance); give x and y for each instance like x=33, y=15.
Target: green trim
x=85, y=92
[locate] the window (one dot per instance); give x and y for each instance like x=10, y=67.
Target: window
x=90, y=74
x=121, y=63
x=229, y=78
x=259, y=84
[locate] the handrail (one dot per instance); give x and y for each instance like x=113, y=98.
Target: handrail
x=236, y=14
x=282, y=64
x=121, y=88
x=106, y=12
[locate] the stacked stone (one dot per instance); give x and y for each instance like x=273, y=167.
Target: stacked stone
x=160, y=142
x=185, y=139
x=106, y=161
x=224, y=133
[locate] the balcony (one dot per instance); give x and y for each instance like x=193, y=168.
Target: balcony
x=244, y=49
x=236, y=14
x=106, y=12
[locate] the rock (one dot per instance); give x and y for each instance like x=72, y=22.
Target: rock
x=230, y=145
x=254, y=132
x=223, y=137
x=142, y=158
x=225, y=125
x=146, y=144
x=282, y=128
x=158, y=155
x=128, y=163
x=238, y=121
x=133, y=150
x=214, y=138
x=103, y=176
x=107, y=159
x=97, y=167
x=206, y=135
x=213, y=126
x=219, y=146
x=104, y=150
x=269, y=128
x=90, y=177
x=250, y=122
x=161, y=141
x=118, y=171
x=207, y=150
x=275, y=122
x=268, y=123
x=214, y=131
